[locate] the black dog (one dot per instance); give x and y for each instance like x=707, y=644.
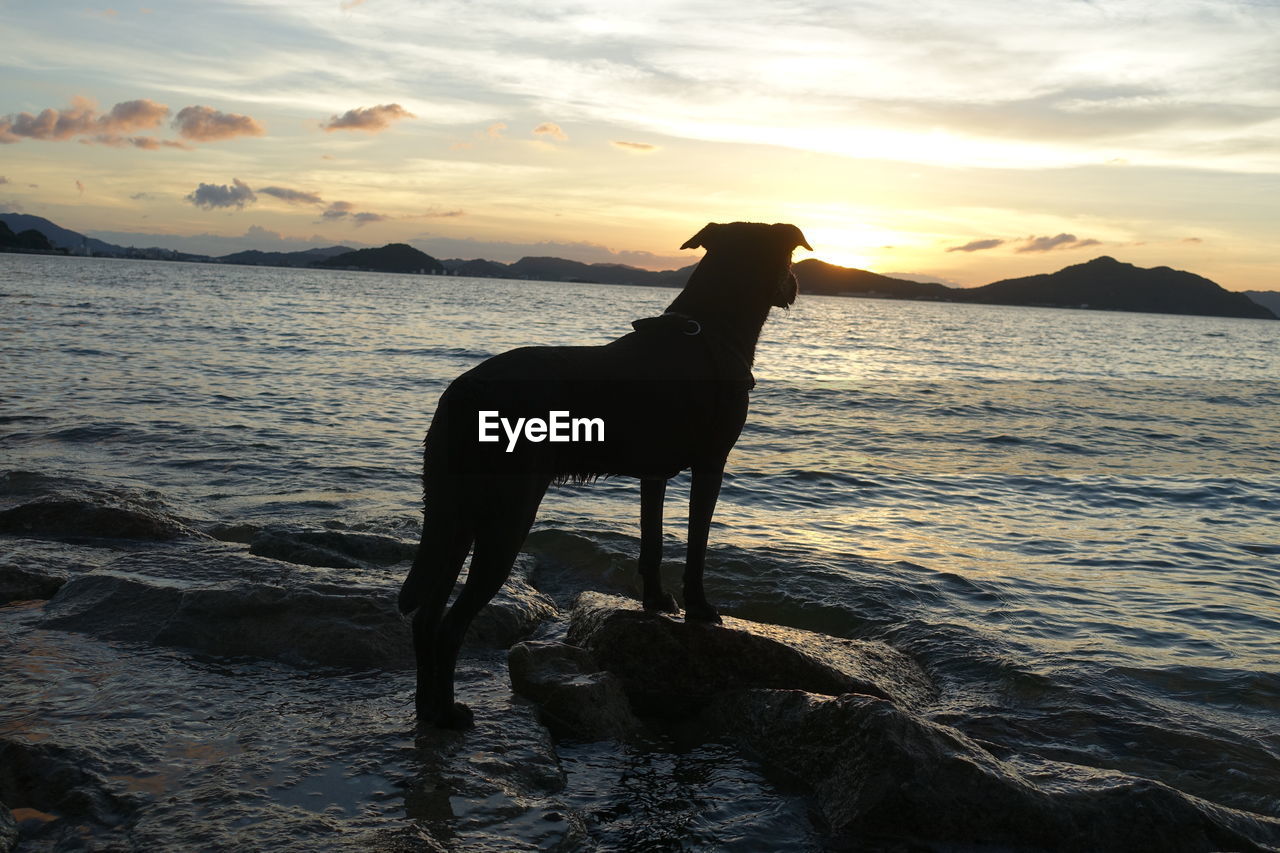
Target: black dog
x=669, y=396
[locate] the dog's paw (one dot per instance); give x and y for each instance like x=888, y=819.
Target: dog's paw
x=665, y=604
x=456, y=716
x=702, y=613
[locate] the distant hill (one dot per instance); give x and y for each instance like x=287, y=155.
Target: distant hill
x=1103, y=283
x=304, y=258
x=817, y=276
x=30, y=240
x=478, y=268
x=78, y=244
x=1269, y=299
x=1107, y=284
x=559, y=269
x=62, y=238
x=393, y=257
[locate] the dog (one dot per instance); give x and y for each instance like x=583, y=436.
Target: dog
x=669, y=396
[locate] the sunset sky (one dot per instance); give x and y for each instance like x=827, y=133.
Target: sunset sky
x=970, y=142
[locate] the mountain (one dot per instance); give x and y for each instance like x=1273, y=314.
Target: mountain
x=304, y=258
x=478, y=268
x=30, y=240
x=559, y=269
x=393, y=257
x=1107, y=284
x=78, y=244
x=62, y=238
x=817, y=276
x=1269, y=299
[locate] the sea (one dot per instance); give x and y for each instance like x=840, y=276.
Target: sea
x=1070, y=518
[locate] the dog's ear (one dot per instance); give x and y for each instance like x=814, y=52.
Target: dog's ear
x=793, y=236
x=703, y=238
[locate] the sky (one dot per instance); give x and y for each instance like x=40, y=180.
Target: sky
x=962, y=142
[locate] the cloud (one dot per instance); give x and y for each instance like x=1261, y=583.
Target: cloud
x=495, y=130
x=552, y=130
x=292, y=196
x=347, y=5
x=1048, y=244
x=977, y=245
x=3, y=180
x=338, y=209
x=83, y=119
x=147, y=143
x=1184, y=239
x=438, y=214
x=79, y=188
x=145, y=196
x=210, y=196
x=345, y=210
x=637, y=147
x=371, y=119
x=205, y=124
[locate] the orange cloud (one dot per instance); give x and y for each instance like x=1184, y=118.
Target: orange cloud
x=552, y=130
x=82, y=119
x=638, y=147
x=205, y=124
x=371, y=119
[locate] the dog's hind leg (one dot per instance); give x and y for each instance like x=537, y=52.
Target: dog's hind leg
x=704, y=491
x=652, y=492
x=441, y=552
x=498, y=538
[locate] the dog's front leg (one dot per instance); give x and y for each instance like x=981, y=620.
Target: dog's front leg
x=652, y=492
x=704, y=491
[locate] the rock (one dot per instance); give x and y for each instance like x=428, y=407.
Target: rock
x=50, y=789
x=8, y=830
x=220, y=601
x=333, y=548
x=21, y=584
x=514, y=612
x=574, y=697
x=48, y=507
x=670, y=667
x=878, y=771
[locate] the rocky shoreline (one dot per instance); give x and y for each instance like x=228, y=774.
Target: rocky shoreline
x=147, y=647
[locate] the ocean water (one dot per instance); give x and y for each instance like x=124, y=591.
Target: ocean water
x=1070, y=518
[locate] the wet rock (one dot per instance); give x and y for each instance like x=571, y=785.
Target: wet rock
x=50, y=789
x=22, y=584
x=575, y=698
x=333, y=548
x=670, y=667
x=514, y=612
x=876, y=769
x=35, y=505
x=8, y=829
x=222, y=602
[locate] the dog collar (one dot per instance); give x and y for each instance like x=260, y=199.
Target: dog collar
x=670, y=321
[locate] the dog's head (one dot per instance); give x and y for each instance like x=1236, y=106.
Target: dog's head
x=767, y=248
